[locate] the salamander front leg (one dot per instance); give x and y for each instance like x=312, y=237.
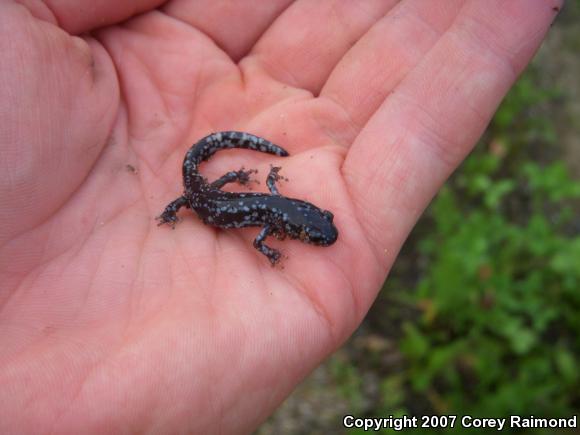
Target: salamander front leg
x=169, y=215
x=272, y=254
x=241, y=176
x=273, y=176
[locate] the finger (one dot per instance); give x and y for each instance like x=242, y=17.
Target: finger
x=305, y=43
x=385, y=54
x=434, y=116
x=80, y=16
x=233, y=25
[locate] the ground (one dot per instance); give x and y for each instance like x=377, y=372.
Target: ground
x=320, y=402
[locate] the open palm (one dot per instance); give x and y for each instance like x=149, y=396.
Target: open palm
x=109, y=323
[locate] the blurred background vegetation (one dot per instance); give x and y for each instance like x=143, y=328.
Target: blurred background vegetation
x=481, y=312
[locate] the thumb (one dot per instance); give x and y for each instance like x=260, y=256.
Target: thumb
x=58, y=99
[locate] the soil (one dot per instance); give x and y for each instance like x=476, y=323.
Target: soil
x=318, y=405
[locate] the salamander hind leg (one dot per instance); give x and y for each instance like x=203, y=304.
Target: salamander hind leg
x=169, y=215
x=272, y=254
x=273, y=177
x=241, y=176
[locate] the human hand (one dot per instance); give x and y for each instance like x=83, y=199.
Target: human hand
x=109, y=323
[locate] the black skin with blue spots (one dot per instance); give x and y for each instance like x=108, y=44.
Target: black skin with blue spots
x=278, y=215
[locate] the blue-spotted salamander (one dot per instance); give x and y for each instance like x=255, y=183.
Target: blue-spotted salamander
x=276, y=214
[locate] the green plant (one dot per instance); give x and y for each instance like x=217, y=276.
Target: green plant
x=348, y=382
x=500, y=300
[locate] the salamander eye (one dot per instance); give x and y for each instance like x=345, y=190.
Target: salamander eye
x=328, y=215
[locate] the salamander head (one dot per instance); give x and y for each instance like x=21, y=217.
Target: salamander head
x=319, y=229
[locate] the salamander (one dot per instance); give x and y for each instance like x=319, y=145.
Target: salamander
x=277, y=215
